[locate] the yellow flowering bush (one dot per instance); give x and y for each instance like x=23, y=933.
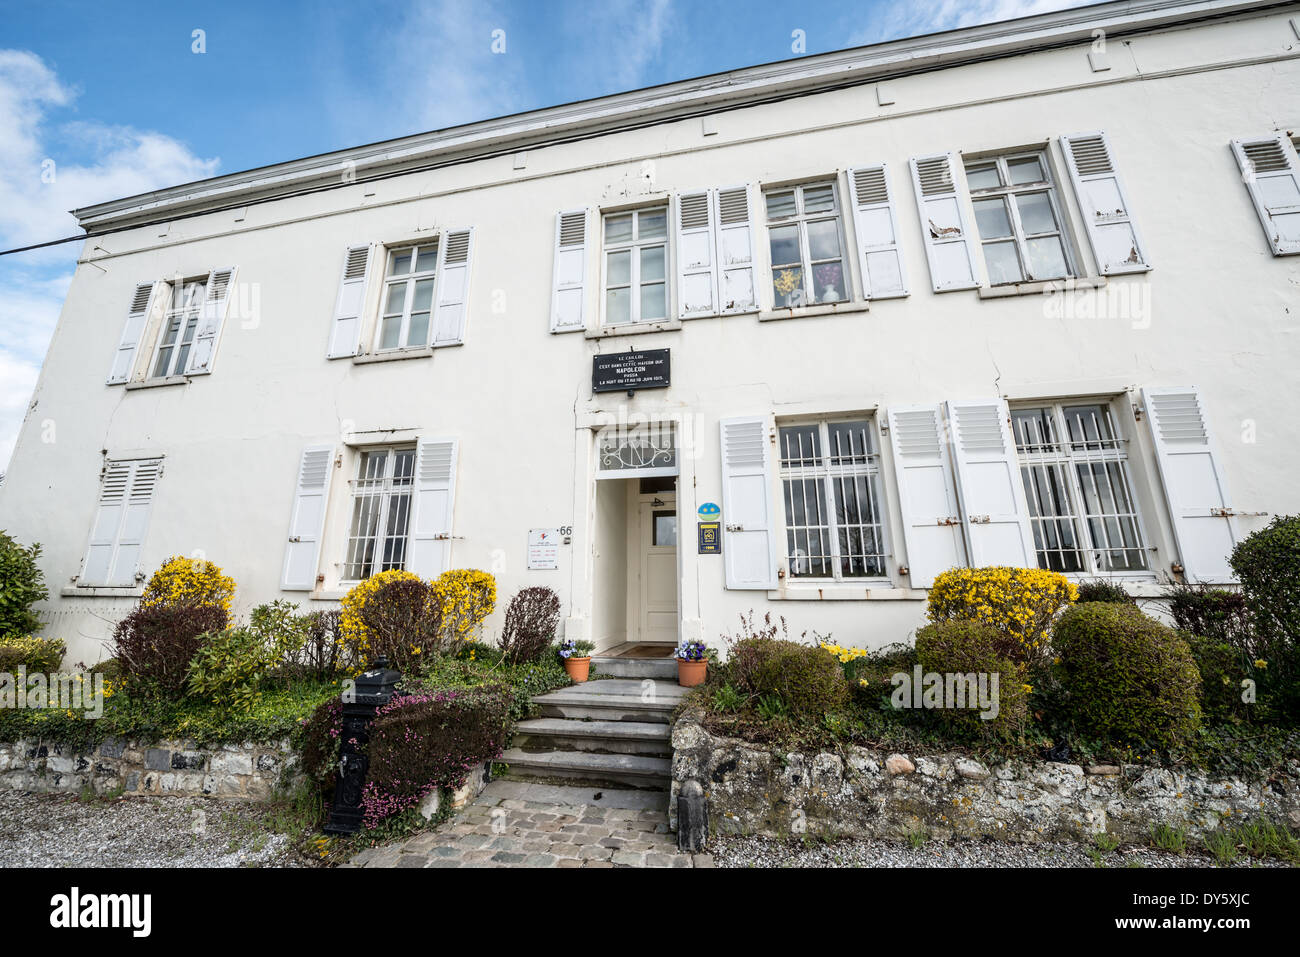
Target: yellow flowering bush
x=468, y=596
x=191, y=582
x=1021, y=603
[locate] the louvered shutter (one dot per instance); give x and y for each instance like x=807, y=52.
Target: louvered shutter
x=212, y=316
x=989, y=488
x=697, y=275
x=1195, y=489
x=1271, y=171
x=345, y=329
x=749, y=526
x=876, y=225
x=735, y=250
x=932, y=527
x=569, y=288
x=949, y=242
x=307, y=518
x=428, y=550
x=137, y=316
x=1112, y=232
x=125, y=499
x=455, y=254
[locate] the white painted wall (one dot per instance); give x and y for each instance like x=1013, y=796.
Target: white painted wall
x=1222, y=317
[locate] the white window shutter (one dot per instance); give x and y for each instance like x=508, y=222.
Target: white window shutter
x=137, y=317
x=455, y=254
x=1195, y=489
x=735, y=250
x=1270, y=169
x=569, y=288
x=212, y=316
x=1112, y=233
x=345, y=329
x=428, y=546
x=121, y=519
x=307, y=518
x=932, y=527
x=697, y=273
x=876, y=225
x=992, y=496
x=949, y=241
x=749, y=525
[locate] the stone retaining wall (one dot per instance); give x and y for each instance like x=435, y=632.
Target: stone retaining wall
x=181, y=768
x=751, y=789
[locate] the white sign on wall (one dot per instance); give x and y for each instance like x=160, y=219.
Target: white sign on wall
x=543, y=548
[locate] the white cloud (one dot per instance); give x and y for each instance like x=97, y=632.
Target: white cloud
x=47, y=167
x=909, y=20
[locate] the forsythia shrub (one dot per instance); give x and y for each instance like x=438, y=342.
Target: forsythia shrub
x=37, y=655
x=188, y=581
x=1019, y=602
x=22, y=584
x=352, y=624
x=468, y=596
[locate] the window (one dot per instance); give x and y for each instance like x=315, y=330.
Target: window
x=408, y=297
x=381, y=511
x=1075, y=470
x=830, y=478
x=636, y=266
x=126, y=494
x=179, y=325
x=1018, y=218
x=665, y=529
x=803, y=231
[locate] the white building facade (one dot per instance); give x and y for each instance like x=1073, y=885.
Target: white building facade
x=792, y=339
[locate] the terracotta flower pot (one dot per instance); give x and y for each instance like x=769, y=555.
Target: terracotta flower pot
x=577, y=668
x=691, y=673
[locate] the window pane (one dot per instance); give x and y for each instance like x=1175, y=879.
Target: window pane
x=618, y=229
x=992, y=218
x=807, y=529
x=423, y=296
x=1026, y=170
x=618, y=306
x=858, y=520
x=1088, y=426
x=390, y=332
x=1036, y=213
x=1034, y=429
x=984, y=176
x=780, y=205
x=427, y=259
x=828, y=283
x=1051, y=518
x=665, y=529
x=652, y=264
x=417, y=333
x=1003, y=263
x=818, y=199
x=800, y=446
x=399, y=262
x=653, y=224
x=1046, y=258
x=784, y=241
x=164, y=357
x=653, y=301
x=824, y=239
x=850, y=443
x=618, y=268
x=787, y=286
x=396, y=298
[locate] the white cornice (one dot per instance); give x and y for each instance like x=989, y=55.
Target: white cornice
x=659, y=104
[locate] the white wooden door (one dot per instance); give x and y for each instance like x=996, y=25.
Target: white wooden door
x=658, y=540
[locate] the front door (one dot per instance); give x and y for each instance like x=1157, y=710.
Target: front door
x=659, y=570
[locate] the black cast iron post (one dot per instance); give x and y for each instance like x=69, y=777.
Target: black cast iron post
x=372, y=690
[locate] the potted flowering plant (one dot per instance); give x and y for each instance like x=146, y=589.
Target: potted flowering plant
x=692, y=663
x=576, y=656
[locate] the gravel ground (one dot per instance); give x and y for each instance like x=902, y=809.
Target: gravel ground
x=760, y=852
x=59, y=830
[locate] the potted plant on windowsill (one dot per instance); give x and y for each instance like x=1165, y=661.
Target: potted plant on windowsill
x=576, y=655
x=692, y=663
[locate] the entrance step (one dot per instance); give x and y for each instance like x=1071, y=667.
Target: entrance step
x=641, y=665
x=651, y=739
x=611, y=770
x=614, y=699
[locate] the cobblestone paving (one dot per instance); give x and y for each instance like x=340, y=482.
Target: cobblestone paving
x=520, y=824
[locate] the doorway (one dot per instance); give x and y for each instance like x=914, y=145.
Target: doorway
x=658, y=570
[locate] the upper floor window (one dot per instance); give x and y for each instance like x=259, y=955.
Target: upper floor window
x=381, y=511
x=1017, y=214
x=179, y=325
x=1074, y=466
x=408, y=297
x=636, y=266
x=805, y=237
x=830, y=481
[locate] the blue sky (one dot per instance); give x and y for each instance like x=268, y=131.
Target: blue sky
x=116, y=96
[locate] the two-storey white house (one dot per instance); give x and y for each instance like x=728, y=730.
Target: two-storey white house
x=794, y=338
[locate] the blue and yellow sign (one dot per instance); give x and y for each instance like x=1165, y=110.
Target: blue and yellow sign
x=709, y=512
x=710, y=538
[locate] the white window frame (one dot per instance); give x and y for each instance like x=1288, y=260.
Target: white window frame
x=409, y=280
x=188, y=314
x=1007, y=193
x=634, y=247
x=801, y=219
x=1064, y=458
x=827, y=474
x=383, y=493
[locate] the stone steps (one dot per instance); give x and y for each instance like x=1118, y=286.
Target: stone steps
x=663, y=669
x=650, y=738
x=613, y=699
x=609, y=770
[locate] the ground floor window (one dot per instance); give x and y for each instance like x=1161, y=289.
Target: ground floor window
x=1074, y=466
x=381, y=511
x=830, y=479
